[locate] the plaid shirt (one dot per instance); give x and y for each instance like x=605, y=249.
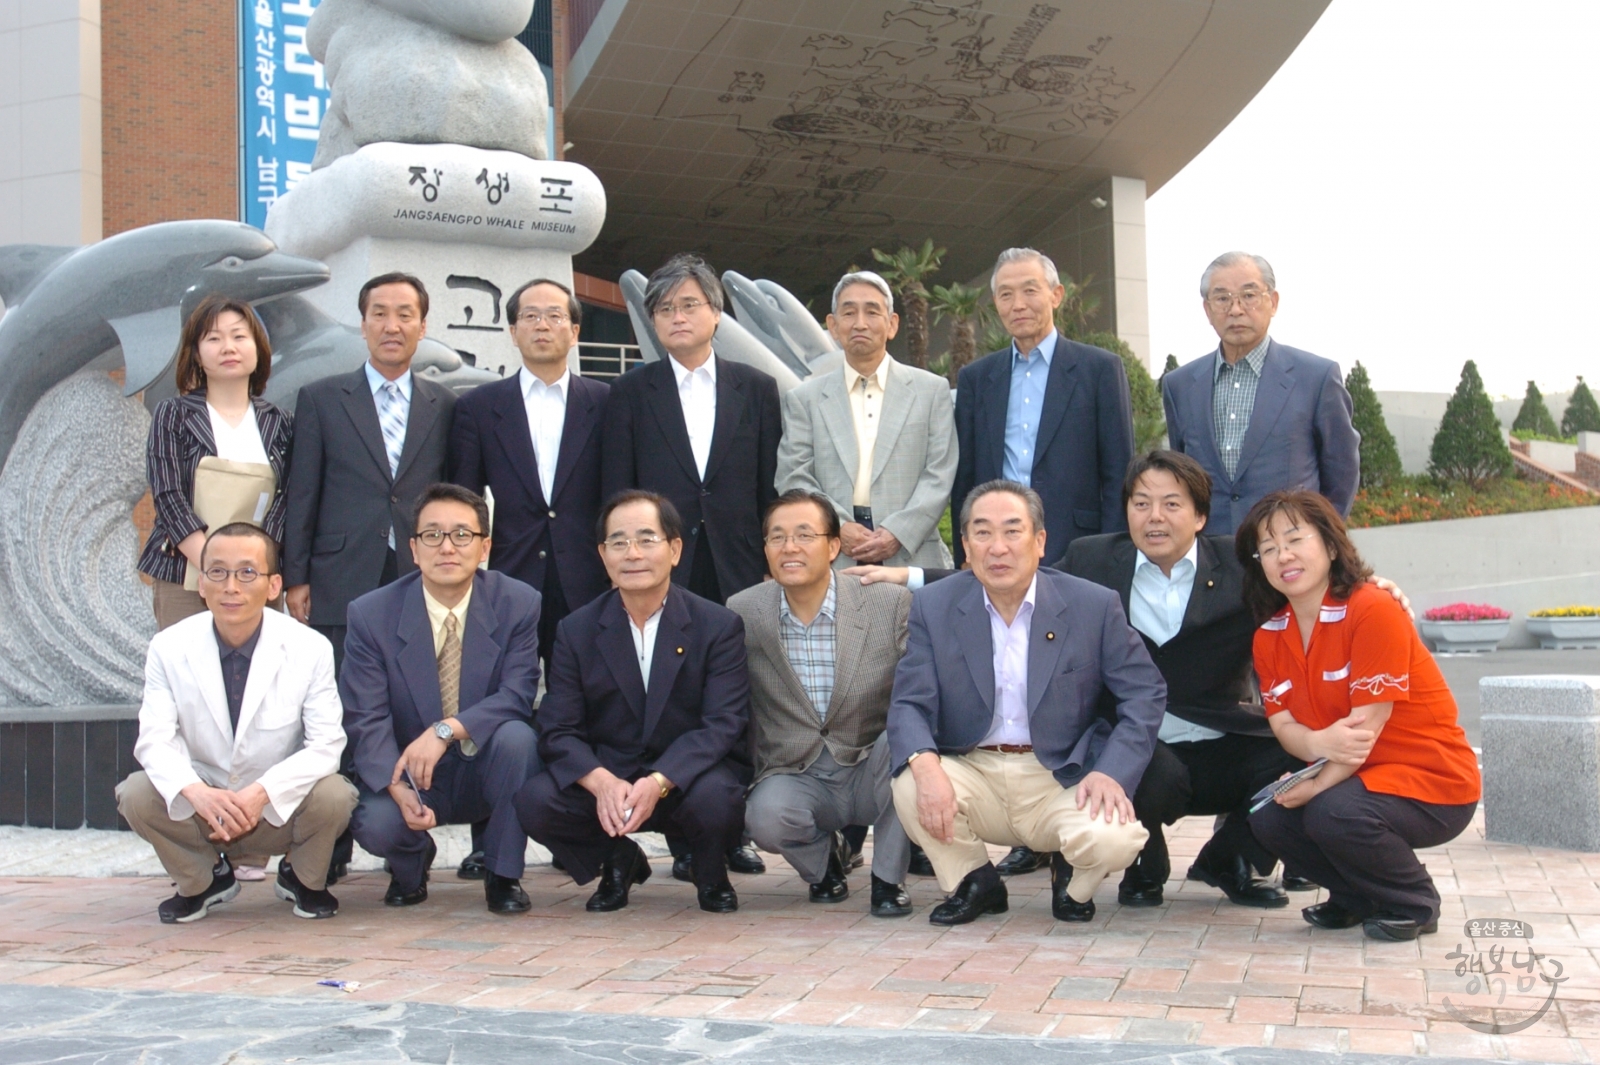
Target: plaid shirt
x=1233, y=398
x=812, y=649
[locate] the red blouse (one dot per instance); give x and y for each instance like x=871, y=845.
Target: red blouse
x=1366, y=650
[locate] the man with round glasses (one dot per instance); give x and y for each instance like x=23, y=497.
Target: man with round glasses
x=1259, y=415
x=240, y=738
x=440, y=672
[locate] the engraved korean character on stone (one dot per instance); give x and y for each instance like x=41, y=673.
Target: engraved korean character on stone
x=555, y=194
x=497, y=189
x=430, y=189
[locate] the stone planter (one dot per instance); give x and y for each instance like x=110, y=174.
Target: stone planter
x=1464, y=637
x=1566, y=634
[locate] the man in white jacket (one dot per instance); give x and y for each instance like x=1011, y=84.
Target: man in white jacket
x=240, y=735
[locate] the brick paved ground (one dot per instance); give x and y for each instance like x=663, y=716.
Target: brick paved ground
x=1197, y=970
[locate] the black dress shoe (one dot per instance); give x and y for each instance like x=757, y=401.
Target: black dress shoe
x=181, y=909
x=920, y=865
x=833, y=887
x=1135, y=892
x=980, y=891
x=626, y=867
x=889, y=900
x=744, y=859
x=1021, y=860
x=1239, y=882
x=1298, y=883
x=720, y=898
x=855, y=837
x=337, y=872
x=683, y=868
x=504, y=895
x=1330, y=915
x=1062, y=905
x=397, y=895
x=555, y=863
x=472, y=867
x=313, y=905
x=1397, y=928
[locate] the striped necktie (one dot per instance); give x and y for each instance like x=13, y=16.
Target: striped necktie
x=450, y=676
x=392, y=420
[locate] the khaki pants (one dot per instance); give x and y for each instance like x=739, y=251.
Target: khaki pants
x=188, y=853
x=172, y=603
x=1013, y=801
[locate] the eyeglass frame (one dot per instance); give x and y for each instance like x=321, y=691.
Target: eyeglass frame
x=1248, y=300
x=555, y=319
x=611, y=543
x=237, y=574
x=781, y=540
x=672, y=308
x=447, y=534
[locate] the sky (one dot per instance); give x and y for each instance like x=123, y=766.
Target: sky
x=1422, y=176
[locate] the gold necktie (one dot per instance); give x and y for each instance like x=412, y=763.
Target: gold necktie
x=450, y=676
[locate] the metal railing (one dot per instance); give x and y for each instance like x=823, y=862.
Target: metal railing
x=607, y=360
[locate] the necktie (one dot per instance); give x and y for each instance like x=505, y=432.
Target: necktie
x=450, y=676
x=392, y=420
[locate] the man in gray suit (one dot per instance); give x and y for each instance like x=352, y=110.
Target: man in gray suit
x=995, y=726
x=365, y=446
x=822, y=654
x=1259, y=415
x=876, y=437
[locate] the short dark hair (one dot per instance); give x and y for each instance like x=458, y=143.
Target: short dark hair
x=671, y=523
x=443, y=492
x=189, y=374
x=245, y=530
x=1021, y=491
x=394, y=277
x=674, y=272
x=514, y=302
x=1185, y=470
x=1304, y=508
x=830, y=517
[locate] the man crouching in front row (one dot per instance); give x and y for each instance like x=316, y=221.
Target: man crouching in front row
x=240, y=735
x=996, y=724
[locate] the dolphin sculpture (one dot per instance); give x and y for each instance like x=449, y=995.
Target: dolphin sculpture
x=132, y=290
x=815, y=344
x=308, y=345
x=782, y=323
x=732, y=341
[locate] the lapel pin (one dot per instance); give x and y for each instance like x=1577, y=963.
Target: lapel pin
x=1211, y=584
x=1049, y=635
x=680, y=650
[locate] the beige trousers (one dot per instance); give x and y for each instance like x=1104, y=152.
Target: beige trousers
x=188, y=853
x=1013, y=801
x=172, y=603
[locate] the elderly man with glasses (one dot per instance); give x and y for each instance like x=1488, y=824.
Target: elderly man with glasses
x=1259, y=415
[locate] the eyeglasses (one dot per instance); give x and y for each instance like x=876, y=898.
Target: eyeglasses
x=244, y=574
x=677, y=307
x=803, y=538
x=989, y=536
x=459, y=537
x=1268, y=550
x=1249, y=299
x=618, y=545
x=557, y=319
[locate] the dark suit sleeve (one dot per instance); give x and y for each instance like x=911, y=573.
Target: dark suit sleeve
x=1074, y=561
x=1174, y=426
x=724, y=711
x=169, y=480
x=305, y=491
x=932, y=573
x=1141, y=695
x=618, y=470
x=364, y=690
x=562, y=745
x=1115, y=419
x=519, y=681
x=914, y=702
x=277, y=513
x=466, y=449
x=771, y=434
x=966, y=449
x=1338, y=444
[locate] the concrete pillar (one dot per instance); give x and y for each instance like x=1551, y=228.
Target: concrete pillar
x=1131, y=298
x=50, y=164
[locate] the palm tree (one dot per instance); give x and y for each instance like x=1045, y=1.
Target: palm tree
x=905, y=271
x=1077, y=308
x=962, y=305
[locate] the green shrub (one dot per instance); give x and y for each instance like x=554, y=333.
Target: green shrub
x=1582, y=414
x=1149, y=417
x=1534, y=420
x=1380, y=456
x=1468, y=446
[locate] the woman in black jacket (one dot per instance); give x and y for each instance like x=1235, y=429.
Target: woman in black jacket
x=224, y=359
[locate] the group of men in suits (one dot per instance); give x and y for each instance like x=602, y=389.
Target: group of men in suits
x=808, y=705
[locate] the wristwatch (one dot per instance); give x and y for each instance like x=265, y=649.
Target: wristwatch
x=443, y=730
x=666, y=785
x=914, y=755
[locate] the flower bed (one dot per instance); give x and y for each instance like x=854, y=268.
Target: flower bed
x=1467, y=612
x=1412, y=499
x=1567, y=612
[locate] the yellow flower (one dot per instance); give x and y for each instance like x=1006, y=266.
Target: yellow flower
x=1567, y=612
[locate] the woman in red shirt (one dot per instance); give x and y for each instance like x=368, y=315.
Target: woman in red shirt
x=1345, y=677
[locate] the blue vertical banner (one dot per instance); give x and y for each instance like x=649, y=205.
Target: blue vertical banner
x=284, y=96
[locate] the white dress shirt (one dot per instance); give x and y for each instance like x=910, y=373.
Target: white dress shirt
x=240, y=443
x=1010, y=643
x=866, y=410
x=547, y=417
x=697, y=391
x=1156, y=605
x=644, y=641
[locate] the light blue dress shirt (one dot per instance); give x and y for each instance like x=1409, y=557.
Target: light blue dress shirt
x=1030, y=373
x=1156, y=605
x=376, y=380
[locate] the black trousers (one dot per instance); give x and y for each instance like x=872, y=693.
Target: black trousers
x=709, y=814
x=336, y=633
x=1361, y=846
x=552, y=608
x=1216, y=776
x=703, y=572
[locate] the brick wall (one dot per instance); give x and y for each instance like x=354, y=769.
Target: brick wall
x=169, y=85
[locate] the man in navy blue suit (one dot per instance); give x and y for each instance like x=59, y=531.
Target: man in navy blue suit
x=440, y=672
x=996, y=727
x=1259, y=415
x=534, y=440
x=1047, y=412
x=643, y=726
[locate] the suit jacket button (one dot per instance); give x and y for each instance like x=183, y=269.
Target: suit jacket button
x=1236, y=499
x=541, y=554
x=824, y=730
x=396, y=499
x=552, y=513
